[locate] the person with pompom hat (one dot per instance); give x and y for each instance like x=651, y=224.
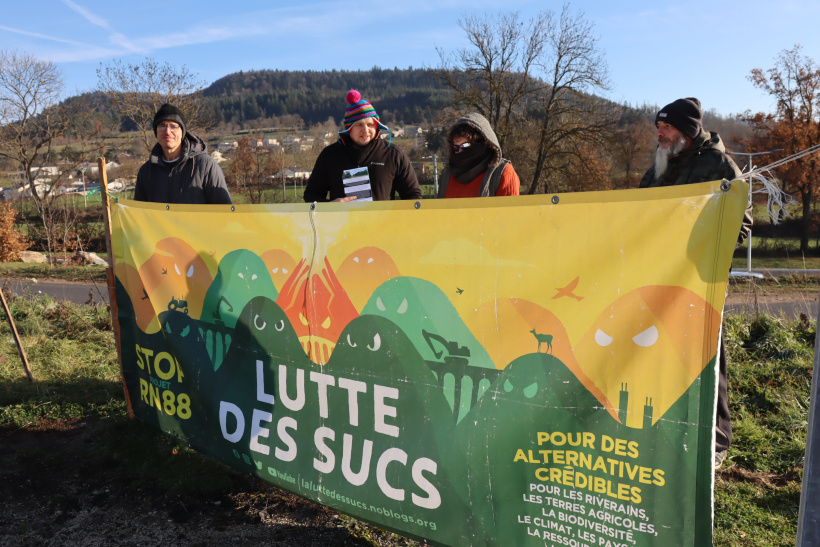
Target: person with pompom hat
x=360, y=146
x=179, y=169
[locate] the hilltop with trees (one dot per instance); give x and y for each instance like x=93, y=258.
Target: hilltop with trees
x=262, y=97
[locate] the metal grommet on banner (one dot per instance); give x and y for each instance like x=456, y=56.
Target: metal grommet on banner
x=233, y=208
x=555, y=199
x=725, y=185
x=313, y=206
x=417, y=205
x=167, y=207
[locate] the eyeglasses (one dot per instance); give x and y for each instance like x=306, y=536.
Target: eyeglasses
x=459, y=147
x=168, y=127
x=367, y=122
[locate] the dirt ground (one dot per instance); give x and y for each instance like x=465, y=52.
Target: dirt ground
x=55, y=491
x=787, y=300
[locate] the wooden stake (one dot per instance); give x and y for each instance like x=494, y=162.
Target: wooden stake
x=20, y=349
x=112, y=291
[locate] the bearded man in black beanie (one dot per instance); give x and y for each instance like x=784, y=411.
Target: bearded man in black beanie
x=179, y=170
x=688, y=154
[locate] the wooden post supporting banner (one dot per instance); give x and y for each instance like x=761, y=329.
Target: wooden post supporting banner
x=17, y=340
x=808, y=520
x=112, y=292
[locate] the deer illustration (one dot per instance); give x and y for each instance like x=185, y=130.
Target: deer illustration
x=543, y=339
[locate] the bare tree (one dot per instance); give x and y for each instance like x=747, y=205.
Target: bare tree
x=631, y=146
x=533, y=82
x=252, y=169
x=138, y=90
x=34, y=124
x=492, y=75
x=570, y=122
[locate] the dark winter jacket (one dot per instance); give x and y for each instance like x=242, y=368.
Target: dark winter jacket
x=388, y=167
x=195, y=178
x=705, y=160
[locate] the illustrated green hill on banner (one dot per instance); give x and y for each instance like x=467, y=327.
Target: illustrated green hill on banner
x=532, y=374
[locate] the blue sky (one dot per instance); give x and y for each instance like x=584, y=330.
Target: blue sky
x=656, y=51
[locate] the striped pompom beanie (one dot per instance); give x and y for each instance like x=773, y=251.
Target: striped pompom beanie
x=359, y=109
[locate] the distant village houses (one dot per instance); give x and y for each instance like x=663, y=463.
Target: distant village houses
x=289, y=140
x=93, y=168
x=292, y=173
x=412, y=132
x=45, y=171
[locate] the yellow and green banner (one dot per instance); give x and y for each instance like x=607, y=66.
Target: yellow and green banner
x=536, y=370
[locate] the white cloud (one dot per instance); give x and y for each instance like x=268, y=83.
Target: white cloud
x=88, y=16
x=116, y=38
x=42, y=36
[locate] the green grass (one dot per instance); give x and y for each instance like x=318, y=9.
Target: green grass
x=72, y=356
x=70, y=350
x=757, y=493
x=795, y=281
x=53, y=271
x=810, y=263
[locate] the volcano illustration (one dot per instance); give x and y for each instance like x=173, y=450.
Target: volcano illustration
x=318, y=308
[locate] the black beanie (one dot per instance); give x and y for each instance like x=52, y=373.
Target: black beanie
x=684, y=115
x=172, y=113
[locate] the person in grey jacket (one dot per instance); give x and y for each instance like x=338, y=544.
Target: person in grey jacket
x=179, y=170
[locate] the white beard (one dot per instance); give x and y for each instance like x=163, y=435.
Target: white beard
x=662, y=155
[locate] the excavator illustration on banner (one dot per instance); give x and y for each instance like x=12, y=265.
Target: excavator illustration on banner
x=463, y=385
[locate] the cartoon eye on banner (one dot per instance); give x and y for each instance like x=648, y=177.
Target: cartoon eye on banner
x=495, y=371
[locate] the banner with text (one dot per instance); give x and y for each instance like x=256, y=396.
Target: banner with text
x=523, y=371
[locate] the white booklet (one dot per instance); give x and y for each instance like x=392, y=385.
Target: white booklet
x=357, y=183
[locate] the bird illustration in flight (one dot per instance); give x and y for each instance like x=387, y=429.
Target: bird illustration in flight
x=567, y=291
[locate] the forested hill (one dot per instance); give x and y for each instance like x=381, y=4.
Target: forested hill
x=405, y=96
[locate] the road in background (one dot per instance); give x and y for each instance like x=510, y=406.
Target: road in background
x=789, y=310
x=97, y=294
x=775, y=272
x=79, y=293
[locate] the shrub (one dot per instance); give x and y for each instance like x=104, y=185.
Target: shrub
x=11, y=240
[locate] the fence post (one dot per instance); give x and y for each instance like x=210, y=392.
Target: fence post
x=112, y=292
x=17, y=340
x=808, y=520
